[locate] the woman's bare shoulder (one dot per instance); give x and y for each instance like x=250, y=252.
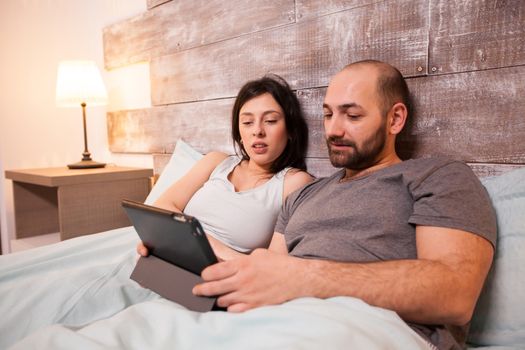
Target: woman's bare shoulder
x=213, y=158
x=216, y=155
x=295, y=179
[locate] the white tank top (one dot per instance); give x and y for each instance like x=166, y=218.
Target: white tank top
x=243, y=220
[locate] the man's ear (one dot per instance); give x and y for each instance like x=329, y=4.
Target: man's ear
x=397, y=118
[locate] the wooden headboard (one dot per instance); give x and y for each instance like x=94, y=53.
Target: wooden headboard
x=464, y=63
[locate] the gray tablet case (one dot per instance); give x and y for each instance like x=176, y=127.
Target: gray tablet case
x=179, y=251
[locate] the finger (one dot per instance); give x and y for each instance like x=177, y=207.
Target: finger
x=226, y=300
x=231, y=298
x=240, y=307
x=218, y=271
x=142, y=250
x=214, y=288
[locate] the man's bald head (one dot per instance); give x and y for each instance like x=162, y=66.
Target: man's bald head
x=391, y=86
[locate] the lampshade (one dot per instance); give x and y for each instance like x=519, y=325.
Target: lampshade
x=79, y=82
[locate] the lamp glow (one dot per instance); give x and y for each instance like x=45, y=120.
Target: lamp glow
x=79, y=83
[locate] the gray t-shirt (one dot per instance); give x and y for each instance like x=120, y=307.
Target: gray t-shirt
x=373, y=218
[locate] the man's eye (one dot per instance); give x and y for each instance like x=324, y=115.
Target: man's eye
x=327, y=115
x=353, y=116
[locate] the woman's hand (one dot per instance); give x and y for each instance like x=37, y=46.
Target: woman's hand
x=141, y=249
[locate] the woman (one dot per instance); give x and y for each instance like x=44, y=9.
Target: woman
x=83, y=280
x=237, y=198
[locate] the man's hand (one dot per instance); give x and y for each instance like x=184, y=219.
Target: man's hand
x=261, y=278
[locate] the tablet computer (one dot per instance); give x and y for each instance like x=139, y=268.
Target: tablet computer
x=173, y=237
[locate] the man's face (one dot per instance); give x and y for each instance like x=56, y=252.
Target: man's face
x=355, y=128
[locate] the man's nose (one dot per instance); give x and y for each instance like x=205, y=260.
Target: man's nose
x=334, y=126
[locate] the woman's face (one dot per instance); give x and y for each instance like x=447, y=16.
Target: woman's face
x=263, y=129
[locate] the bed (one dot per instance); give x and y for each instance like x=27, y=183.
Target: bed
x=464, y=64
x=77, y=294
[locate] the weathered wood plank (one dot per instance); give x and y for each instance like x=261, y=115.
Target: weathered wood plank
x=307, y=54
x=155, y=3
x=312, y=103
x=205, y=125
x=475, y=117
x=137, y=39
x=179, y=25
x=307, y=9
x=489, y=104
x=474, y=35
x=156, y=129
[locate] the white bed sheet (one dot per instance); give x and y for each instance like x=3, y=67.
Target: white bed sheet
x=77, y=294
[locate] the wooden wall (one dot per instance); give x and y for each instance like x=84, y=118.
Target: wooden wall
x=464, y=62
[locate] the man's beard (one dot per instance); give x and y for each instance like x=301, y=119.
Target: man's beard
x=360, y=158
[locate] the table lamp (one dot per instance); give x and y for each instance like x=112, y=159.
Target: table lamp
x=80, y=83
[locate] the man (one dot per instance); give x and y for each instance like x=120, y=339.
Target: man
x=415, y=236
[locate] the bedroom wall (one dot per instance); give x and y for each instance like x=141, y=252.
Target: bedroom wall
x=34, y=36
x=464, y=61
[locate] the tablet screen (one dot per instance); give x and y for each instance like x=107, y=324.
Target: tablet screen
x=176, y=238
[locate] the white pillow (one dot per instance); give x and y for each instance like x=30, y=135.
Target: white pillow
x=182, y=159
x=499, y=319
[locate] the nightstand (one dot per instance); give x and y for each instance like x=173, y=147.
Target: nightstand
x=74, y=202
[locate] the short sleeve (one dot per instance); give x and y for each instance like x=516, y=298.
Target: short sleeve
x=285, y=212
x=452, y=196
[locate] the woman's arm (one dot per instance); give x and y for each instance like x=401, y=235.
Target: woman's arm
x=179, y=194
x=278, y=244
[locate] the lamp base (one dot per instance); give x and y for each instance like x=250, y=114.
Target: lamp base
x=86, y=164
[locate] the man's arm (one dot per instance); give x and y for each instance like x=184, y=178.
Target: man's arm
x=440, y=287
